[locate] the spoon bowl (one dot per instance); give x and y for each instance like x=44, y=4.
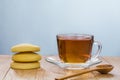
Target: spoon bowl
x=104, y=69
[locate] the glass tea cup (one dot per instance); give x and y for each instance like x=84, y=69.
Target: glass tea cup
x=75, y=50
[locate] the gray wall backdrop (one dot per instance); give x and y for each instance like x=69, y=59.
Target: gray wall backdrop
x=38, y=22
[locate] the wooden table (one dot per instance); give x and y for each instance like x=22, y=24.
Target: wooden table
x=50, y=71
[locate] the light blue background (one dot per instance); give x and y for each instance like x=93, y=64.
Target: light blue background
x=38, y=22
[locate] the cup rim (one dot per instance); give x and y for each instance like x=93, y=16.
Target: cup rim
x=74, y=34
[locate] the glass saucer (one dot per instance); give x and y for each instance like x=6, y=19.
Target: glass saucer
x=89, y=63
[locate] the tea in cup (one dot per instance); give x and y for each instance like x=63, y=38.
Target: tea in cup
x=76, y=48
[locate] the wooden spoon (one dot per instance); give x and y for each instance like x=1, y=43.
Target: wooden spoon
x=103, y=69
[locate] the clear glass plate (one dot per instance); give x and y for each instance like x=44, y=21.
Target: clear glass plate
x=56, y=61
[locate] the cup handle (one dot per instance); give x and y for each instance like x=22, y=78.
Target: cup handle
x=98, y=50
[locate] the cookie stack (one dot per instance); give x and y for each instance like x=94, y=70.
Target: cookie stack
x=25, y=56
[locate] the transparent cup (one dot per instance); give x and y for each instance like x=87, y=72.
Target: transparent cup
x=75, y=51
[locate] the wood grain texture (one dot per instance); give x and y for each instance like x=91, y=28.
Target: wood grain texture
x=50, y=71
x=4, y=65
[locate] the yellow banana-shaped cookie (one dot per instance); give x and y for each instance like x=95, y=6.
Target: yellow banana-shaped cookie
x=33, y=65
x=26, y=57
x=25, y=47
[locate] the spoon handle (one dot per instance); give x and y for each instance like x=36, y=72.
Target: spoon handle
x=73, y=75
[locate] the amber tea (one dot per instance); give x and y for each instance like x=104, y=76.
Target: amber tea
x=74, y=48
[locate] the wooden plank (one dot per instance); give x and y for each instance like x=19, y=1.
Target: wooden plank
x=21, y=74
x=114, y=74
x=50, y=71
x=4, y=65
